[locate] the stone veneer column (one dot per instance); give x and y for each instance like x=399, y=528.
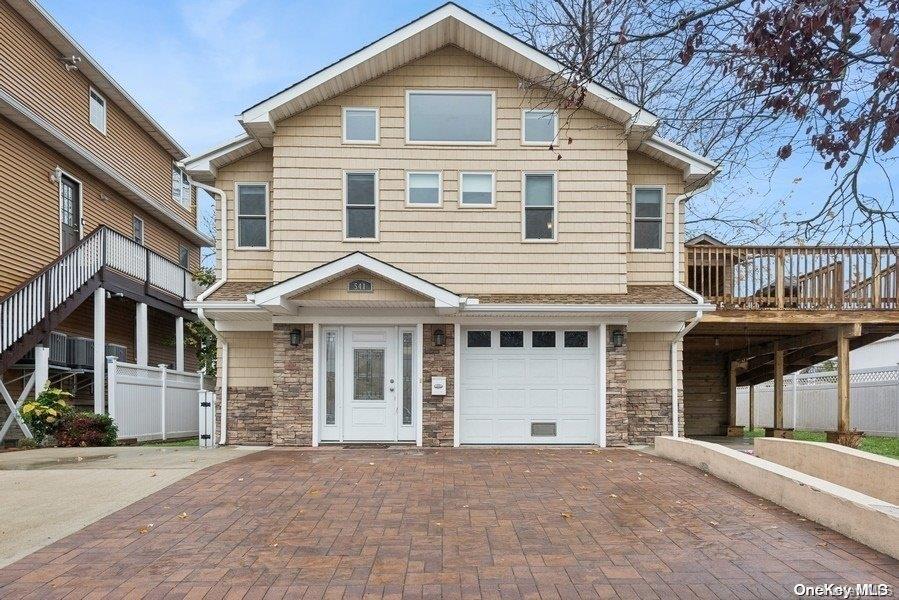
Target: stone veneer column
x=291, y=422
x=437, y=411
x=649, y=415
x=616, y=390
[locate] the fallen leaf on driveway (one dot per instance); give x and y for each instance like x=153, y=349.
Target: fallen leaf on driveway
x=153, y=474
x=566, y=515
x=182, y=516
x=613, y=495
x=714, y=523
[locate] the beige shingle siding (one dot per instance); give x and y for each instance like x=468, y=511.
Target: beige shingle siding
x=30, y=70
x=649, y=361
x=244, y=265
x=653, y=267
x=249, y=358
x=478, y=250
x=382, y=290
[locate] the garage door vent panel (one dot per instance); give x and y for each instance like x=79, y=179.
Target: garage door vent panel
x=543, y=429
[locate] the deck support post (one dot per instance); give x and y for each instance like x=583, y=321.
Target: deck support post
x=141, y=343
x=843, y=434
x=179, y=343
x=751, y=407
x=41, y=368
x=733, y=430
x=778, y=429
x=100, y=351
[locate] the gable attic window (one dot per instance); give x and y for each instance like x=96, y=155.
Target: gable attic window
x=97, y=111
x=360, y=190
x=252, y=216
x=648, y=231
x=538, y=127
x=450, y=117
x=360, y=126
x=180, y=186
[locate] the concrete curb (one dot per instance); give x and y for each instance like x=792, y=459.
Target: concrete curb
x=868, y=520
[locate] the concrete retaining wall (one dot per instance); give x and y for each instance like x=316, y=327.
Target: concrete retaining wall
x=868, y=520
x=870, y=474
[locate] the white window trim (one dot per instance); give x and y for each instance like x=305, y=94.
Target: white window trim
x=377, y=237
x=93, y=92
x=555, y=237
x=634, y=217
x=410, y=204
x=469, y=92
x=185, y=203
x=59, y=175
x=143, y=232
x=555, y=115
x=377, y=112
x=492, y=204
x=237, y=216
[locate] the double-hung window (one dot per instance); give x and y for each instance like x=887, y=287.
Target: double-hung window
x=97, y=111
x=539, y=206
x=424, y=188
x=476, y=189
x=252, y=215
x=450, y=117
x=361, y=205
x=360, y=125
x=538, y=127
x=649, y=226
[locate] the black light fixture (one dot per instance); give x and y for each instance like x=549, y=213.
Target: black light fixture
x=618, y=338
x=296, y=337
x=439, y=337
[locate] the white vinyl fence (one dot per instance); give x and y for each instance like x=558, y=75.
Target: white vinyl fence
x=810, y=402
x=150, y=403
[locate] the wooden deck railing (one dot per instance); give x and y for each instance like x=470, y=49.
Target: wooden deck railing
x=795, y=277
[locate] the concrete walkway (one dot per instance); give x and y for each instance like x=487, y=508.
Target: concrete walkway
x=50, y=493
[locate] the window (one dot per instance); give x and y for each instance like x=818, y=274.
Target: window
x=539, y=206
x=330, y=377
x=478, y=339
x=511, y=339
x=98, y=111
x=137, y=229
x=252, y=215
x=444, y=117
x=368, y=373
x=543, y=339
x=476, y=189
x=407, y=377
x=180, y=186
x=360, y=126
x=424, y=189
x=184, y=256
x=538, y=126
x=575, y=339
x=361, y=199
x=648, y=224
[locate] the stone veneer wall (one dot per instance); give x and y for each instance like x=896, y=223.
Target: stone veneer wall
x=249, y=415
x=291, y=418
x=616, y=391
x=649, y=414
x=437, y=411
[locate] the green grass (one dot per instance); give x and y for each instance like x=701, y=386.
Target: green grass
x=176, y=443
x=885, y=446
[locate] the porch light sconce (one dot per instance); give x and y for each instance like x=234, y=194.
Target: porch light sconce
x=439, y=337
x=618, y=338
x=296, y=337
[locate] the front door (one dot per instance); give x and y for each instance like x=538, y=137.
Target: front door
x=70, y=212
x=370, y=397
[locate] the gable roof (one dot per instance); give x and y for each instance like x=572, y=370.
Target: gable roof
x=66, y=45
x=704, y=239
x=276, y=295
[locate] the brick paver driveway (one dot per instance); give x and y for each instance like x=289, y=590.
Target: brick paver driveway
x=502, y=523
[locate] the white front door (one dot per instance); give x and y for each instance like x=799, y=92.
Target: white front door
x=370, y=390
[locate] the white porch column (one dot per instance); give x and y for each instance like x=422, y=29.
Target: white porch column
x=457, y=384
x=179, y=343
x=41, y=368
x=100, y=351
x=141, y=351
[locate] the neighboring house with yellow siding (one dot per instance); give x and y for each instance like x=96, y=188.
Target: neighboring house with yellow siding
x=411, y=250
x=98, y=222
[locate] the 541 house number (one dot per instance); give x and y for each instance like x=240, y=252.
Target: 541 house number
x=360, y=285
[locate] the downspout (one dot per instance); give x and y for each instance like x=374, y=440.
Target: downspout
x=685, y=329
x=201, y=313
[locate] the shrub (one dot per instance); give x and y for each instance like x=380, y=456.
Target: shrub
x=86, y=429
x=43, y=414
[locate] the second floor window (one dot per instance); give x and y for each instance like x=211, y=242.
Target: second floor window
x=98, y=111
x=424, y=188
x=476, y=189
x=252, y=215
x=184, y=256
x=180, y=187
x=449, y=117
x=137, y=229
x=648, y=218
x=539, y=206
x=361, y=205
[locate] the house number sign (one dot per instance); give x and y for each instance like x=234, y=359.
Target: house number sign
x=360, y=285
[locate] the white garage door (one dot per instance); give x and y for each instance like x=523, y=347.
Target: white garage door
x=528, y=386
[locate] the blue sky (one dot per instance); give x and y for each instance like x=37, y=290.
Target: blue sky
x=194, y=64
